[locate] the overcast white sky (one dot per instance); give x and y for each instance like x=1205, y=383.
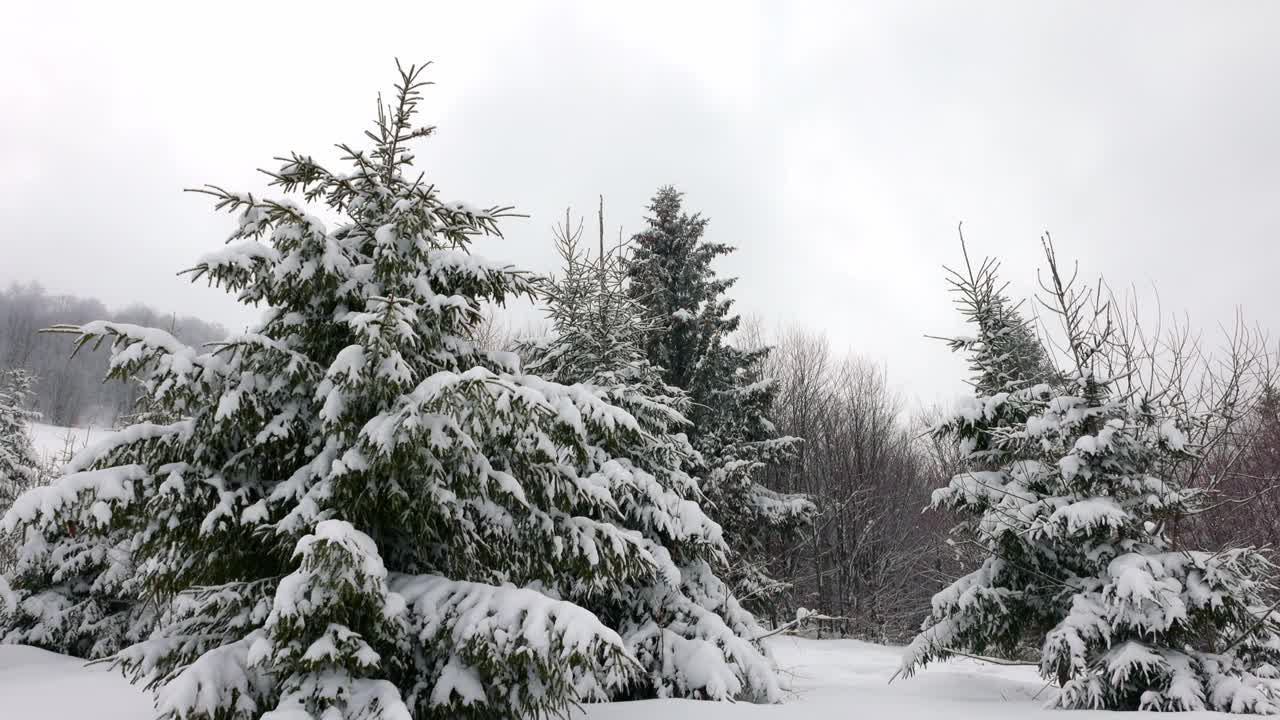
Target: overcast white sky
x=835, y=144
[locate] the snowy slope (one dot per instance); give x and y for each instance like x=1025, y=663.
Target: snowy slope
x=39, y=685
x=831, y=679
x=52, y=440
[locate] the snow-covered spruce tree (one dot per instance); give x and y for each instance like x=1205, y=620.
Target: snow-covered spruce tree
x=1074, y=513
x=671, y=276
x=1013, y=597
x=1006, y=355
x=19, y=466
x=357, y=513
x=688, y=620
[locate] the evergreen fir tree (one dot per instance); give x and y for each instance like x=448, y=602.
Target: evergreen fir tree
x=1006, y=601
x=598, y=331
x=350, y=510
x=598, y=328
x=1069, y=499
x=671, y=275
x=1006, y=355
x=19, y=466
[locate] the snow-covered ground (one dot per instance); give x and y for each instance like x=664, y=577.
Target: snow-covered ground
x=39, y=685
x=52, y=441
x=843, y=679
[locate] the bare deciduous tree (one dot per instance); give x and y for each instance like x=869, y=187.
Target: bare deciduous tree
x=871, y=560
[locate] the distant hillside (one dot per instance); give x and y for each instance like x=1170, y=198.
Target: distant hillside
x=71, y=391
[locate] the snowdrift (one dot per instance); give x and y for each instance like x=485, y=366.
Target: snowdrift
x=829, y=679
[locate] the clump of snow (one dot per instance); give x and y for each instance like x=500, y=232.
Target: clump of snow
x=1173, y=435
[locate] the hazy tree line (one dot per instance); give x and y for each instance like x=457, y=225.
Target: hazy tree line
x=71, y=391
